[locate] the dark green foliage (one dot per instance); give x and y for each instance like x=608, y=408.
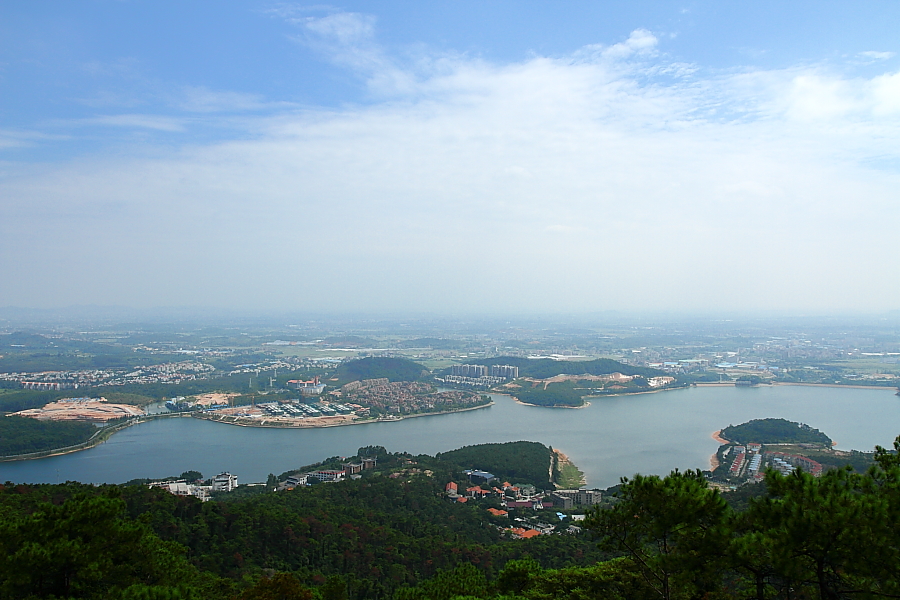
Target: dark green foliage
x=281, y=586
x=556, y=394
x=87, y=547
x=376, y=367
x=835, y=536
x=16, y=400
x=672, y=529
x=464, y=580
x=21, y=435
x=774, y=431
x=517, y=462
x=379, y=538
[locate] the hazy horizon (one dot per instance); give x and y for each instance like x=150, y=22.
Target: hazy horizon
x=273, y=157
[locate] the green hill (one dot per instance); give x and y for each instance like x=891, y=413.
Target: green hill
x=375, y=367
x=774, y=431
x=525, y=462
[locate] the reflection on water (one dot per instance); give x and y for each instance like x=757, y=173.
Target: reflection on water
x=616, y=436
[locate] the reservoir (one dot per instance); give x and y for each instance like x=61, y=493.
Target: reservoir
x=613, y=437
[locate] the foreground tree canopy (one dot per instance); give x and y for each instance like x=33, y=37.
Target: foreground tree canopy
x=672, y=537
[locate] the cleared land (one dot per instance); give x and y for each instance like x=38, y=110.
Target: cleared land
x=96, y=410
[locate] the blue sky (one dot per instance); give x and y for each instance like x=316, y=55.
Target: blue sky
x=465, y=156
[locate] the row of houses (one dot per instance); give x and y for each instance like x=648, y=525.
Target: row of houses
x=748, y=462
x=524, y=496
x=223, y=482
x=351, y=470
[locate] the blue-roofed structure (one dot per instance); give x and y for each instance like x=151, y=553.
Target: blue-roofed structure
x=470, y=473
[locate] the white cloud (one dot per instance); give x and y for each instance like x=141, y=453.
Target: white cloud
x=874, y=55
x=568, y=183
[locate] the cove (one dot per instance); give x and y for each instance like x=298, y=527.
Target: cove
x=613, y=437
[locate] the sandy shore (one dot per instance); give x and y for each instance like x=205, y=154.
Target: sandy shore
x=717, y=435
x=714, y=459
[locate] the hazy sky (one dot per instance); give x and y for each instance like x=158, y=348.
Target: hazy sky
x=461, y=156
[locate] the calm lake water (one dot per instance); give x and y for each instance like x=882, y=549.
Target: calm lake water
x=648, y=433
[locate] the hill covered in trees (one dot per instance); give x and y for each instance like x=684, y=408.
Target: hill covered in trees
x=774, y=431
x=22, y=435
x=376, y=367
x=516, y=462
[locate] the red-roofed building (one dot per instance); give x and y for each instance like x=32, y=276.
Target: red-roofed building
x=523, y=534
x=462, y=499
x=477, y=492
x=451, y=488
x=497, y=512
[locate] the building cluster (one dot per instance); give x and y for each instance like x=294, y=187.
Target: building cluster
x=785, y=463
x=477, y=371
x=69, y=380
x=473, y=371
x=523, y=496
x=749, y=460
x=566, y=499
x=297, y=409
x=482, y=382
x=408, y=397
x=363, y=384
x=307, y=388
x=223, y=482
x=350, y=469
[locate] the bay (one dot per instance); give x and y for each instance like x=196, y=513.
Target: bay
x=614, y=436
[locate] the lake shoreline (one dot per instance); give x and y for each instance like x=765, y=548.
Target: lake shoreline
x=304, y=425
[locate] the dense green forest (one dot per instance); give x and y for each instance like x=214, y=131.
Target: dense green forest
x=382, y=537
x=774, y=431
x=375, y=535
x=375, y=367
x=21, y=435
x=557, y=394
x=516, y=462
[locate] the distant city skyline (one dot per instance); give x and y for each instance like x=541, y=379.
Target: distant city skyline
x=277, y=157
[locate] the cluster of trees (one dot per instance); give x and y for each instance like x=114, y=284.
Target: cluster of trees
x=774, y=431
x=557, y=394
x=22, y=435
x=359, y=540
x=828, y=538
x=797, y=537
x=377, y=367
x=516, y=462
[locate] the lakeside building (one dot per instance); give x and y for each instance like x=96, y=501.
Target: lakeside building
x=473, y=371
x=580, y=497
x=506, y=371
x=224, y=482
x=181, y=488
x=329, y=475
